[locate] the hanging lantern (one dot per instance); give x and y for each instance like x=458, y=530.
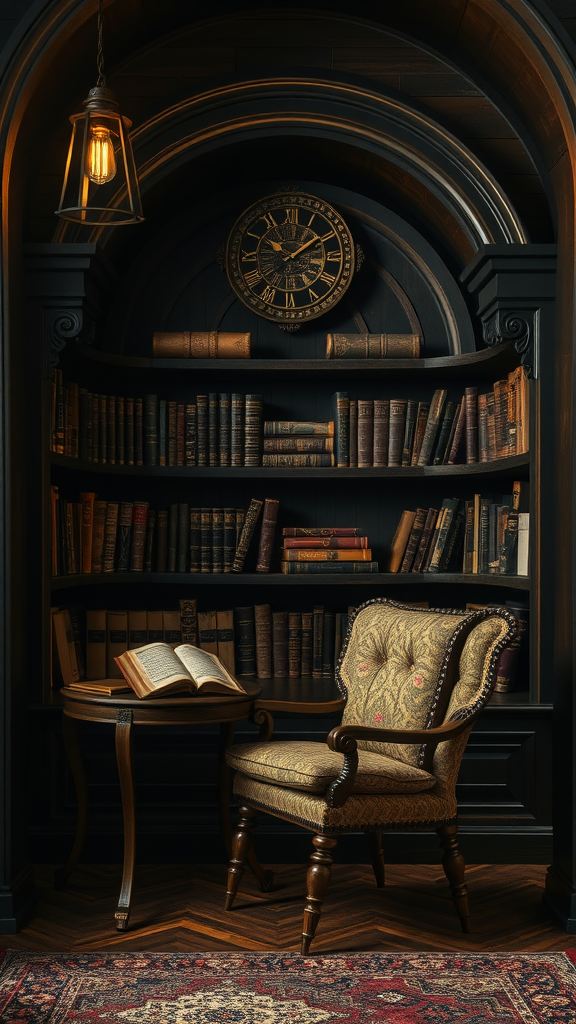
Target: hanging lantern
x=100, y=183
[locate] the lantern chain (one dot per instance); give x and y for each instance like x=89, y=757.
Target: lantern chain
x=100, y=58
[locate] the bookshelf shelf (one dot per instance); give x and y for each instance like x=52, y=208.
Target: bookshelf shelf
x=502, y=468
x=279, y=579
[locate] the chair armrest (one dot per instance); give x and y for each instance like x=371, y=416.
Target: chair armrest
x=343, y=739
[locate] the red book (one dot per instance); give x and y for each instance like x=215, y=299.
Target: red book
x=325, y=542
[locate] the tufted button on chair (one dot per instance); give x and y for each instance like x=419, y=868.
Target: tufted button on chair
x=414, y=681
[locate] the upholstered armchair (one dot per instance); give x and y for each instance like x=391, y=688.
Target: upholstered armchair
x=414, y=682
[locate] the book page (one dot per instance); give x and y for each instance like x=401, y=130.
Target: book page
x=204, y=666
x=160, y=663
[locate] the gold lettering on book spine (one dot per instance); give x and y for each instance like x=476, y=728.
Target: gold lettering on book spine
x=372, y=346
x=201, y=345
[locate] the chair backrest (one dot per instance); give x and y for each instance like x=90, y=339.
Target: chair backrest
x=400, y=667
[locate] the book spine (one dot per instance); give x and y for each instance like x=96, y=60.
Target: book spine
x=450, y=509
x=468, y=537
x=341, y=412
x=252, y=430
x=409, y=431
x=372, y=346
x=328, y=643
x=400, y=540
x=205, y=540
x=396, y=430
x=87, y=501
x=120, y=430
x=298, y=460
x=248, y=528
x=307, y=641
x=329, y=568
x=189, y=620
x=225, y=426
x=162, y=544
x=240, y=517
x=180, y=434
x=155, y=626
x=171, y=627
x=95, y=428
x=509, y=547
x=424, y=543
x=225, y=636
x=353, y=433
x=365, y=432
x=82, y=423
x=110, y=531
x=294, y=644
x=298, y=444
x=490, y=426
x=208, y=632
x=183, y=536
x=163, y=434
x=245, y=633
x=443, y=434
x=129, y=431
x=190, y=434
x=201, y=345
x=434, y=538
x=102, y=430
x=263, y=628
x=420, y=430
x=320, y=531
x=213, y=445
x=202, y=429
x=172, y=537
x=237, y=430
x=450, y=440
x=137, y=629
x=150, y=539
x=139, y=431
x=139, y=523
x=482, y=429
x=325, y=555
x=195, y=542
x=111, y=429
x=317, y=640
x=471, y=401
x=414, y=539
x=267, y=529
x=523, y=547
x=217, y=540
x=432, y=425
x=300, y=428
x=95, y=644
x=381, y=431
x=458, y=434
x=117, y=641
x=229, y=538
x=98, y=535
x=484, y=535
x=151, y=430
x=325, y=542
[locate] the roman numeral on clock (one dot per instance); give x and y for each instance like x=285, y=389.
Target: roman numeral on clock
x=253, y=278
x=327, y=278
x=292, y=216
x=268, y=294
x=290, y=303
x=249, y=257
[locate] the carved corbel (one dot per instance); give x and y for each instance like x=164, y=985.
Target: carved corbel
x=62, y=326
x=518, y=328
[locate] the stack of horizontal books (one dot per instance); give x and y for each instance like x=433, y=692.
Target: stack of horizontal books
x=295, y=443
x=326, y=549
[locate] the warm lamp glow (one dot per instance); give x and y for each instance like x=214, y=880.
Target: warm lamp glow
x=100, y=158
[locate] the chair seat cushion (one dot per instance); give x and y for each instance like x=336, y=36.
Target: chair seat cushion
x=313, y=767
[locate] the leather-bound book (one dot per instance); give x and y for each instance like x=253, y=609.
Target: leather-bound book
x=58, y=435
x=432, y=427
x=484, y=535
x=240, y=517
x=172, y=537
x=252, y=516
x=189, y=620
x=87, y=499
x=217, y=540
x=324, y=542
x=425, y=538
x=341, y=413
x=229, y=538
x=110, y=533
x=252, y=430
x=213, y=431
x=171, y=626
x=245, y=637
x=469, y=538
x=458, y=434
x=180, y=436
x=307, y=641
x=328, y=642
x=294, y=644
x=96, y=644
x=183, y=537
x=328, y=568
x=137, y=629
x=365, y=432
x=150, y=540
x=237, y=430
x=321, y=531
x=267, y=529
x=224, y=431
x=420, y=430
x=442, y=532
x=201, y=345
x=208, y=632
x=381, y=431
x=512, y=413
x=317, y=640
x=172, y=433
x=501, y=417
x=326, y=555
x=471, y=401
x=414, y=539
x=372, y=346
x=139, y=521
x=450, y=440
x=117, y=641
x=120, y=431
x=111, y=429
x=139, y=431
x=280, y=645
x=151, y=430
x=297, y=428
x=129, y=431
x=225, y=636
x=263, y=628
x=490, y=426
x=443, y=434
x=163, y=434
x=353, y=439
x=83, y=424
x=98, y=529
x=482, y=429
x=409, y=431
x=297, y=445
x=155, y=624
x=95, y=428
x=202, y=429
x=102, y=430
x=195, y=534
x=298, y=459
x=400, y=540
x=397, y=430
x=190, y=434
x=205, y=540
x=162, y=540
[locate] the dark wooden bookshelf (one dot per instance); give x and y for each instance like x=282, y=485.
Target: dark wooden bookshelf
x=377, y=579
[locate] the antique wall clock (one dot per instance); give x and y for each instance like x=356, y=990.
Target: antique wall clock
x=290, y=257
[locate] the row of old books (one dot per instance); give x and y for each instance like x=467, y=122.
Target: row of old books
x=326, y=549
x=215, y=429
x=93, y=536
x=229, y=345
x=405, y=432
x=300, y=443
x=473, y=536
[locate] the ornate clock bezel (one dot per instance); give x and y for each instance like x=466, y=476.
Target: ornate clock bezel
x=238, y=268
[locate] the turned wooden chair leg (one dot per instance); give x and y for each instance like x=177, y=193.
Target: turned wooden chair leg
x=241, y=848
x=455, y=871
x=317, y=882
x=377, y=855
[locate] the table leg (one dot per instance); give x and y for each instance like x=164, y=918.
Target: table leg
x=124, y=760
x=72, y=747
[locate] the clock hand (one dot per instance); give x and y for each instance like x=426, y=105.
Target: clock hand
x=310, y=241
x=277, y=246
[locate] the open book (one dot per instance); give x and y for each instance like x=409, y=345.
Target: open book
x=158, y=669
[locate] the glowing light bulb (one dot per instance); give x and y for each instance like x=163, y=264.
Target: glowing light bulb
x=100, y=159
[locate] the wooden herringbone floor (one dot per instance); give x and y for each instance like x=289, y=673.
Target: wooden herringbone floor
x=181, y=908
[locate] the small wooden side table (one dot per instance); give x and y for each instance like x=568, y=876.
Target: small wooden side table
x=125, y=711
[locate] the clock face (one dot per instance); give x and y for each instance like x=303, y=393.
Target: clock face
x=290, y=257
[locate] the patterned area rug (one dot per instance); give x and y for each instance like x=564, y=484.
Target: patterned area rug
x=276, y=988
